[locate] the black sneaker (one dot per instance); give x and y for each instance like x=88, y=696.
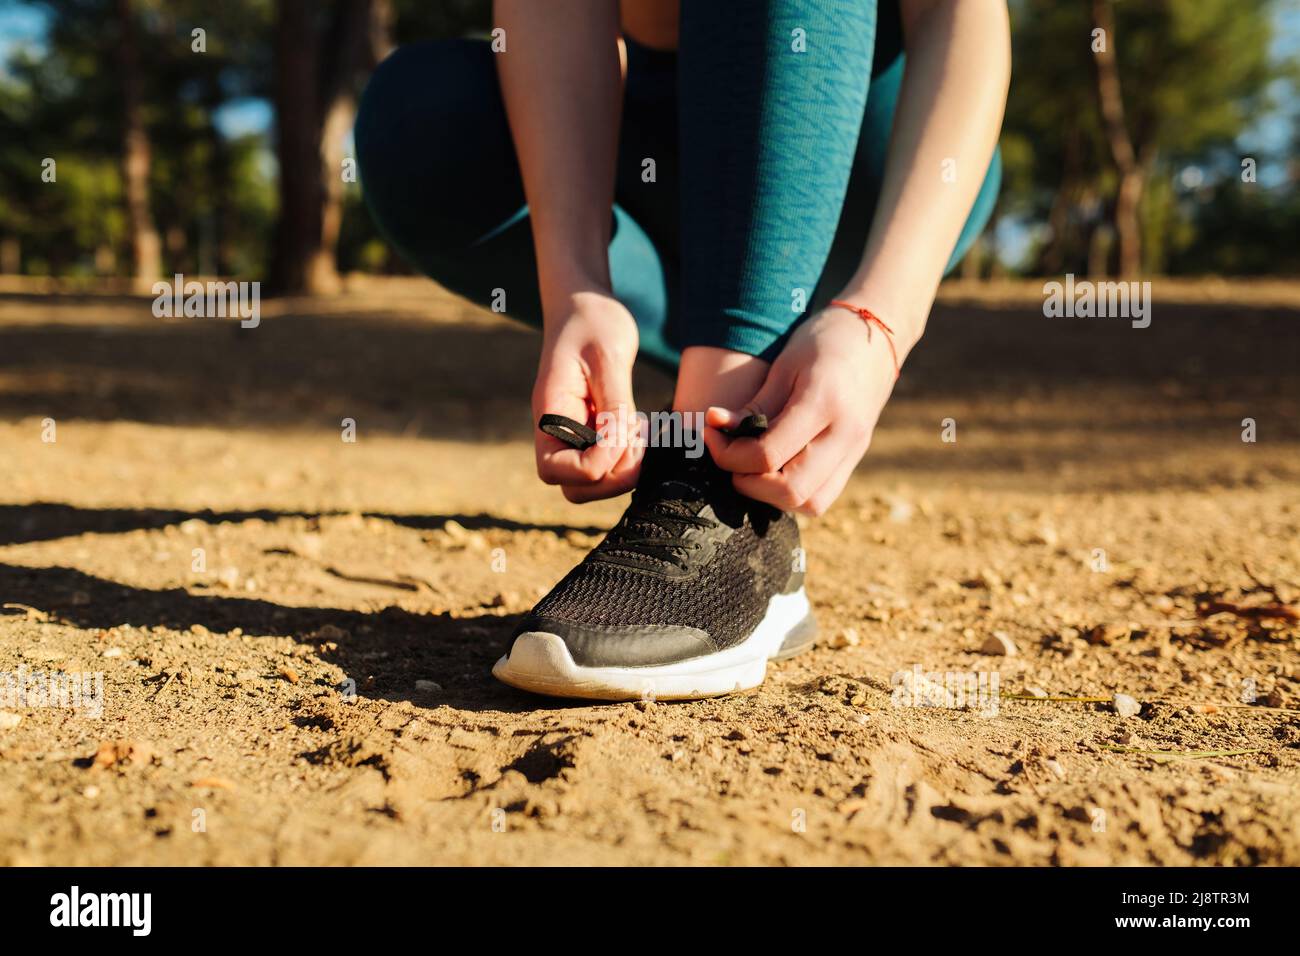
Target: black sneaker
x=690, y=595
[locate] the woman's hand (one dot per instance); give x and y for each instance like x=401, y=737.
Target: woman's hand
x=826, y=390
x=586, y=369
x=561, y=82
x=822, y=397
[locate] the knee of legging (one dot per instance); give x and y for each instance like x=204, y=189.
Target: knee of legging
x=419, y=143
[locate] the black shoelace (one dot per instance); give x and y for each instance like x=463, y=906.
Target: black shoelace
x=659, y=516
x=654, y=524
x=582, y=437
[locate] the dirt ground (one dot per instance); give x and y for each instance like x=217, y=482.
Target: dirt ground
x=201, y=534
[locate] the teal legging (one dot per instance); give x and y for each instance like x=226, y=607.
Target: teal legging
x=768, y=133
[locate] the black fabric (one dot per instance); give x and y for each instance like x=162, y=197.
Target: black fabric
x=751, y=427
x=689, y=553
x=568, y=430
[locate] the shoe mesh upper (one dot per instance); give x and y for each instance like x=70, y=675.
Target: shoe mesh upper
x=725, y=596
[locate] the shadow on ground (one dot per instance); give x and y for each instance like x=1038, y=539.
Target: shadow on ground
x=455, y=652
x=470, y=380
x=46, y=521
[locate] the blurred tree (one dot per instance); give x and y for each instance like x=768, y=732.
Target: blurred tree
x=146, y=251
x=1131, y=162
x=1241, y=229
x=1183, y=79
x=74, y=104
x=1171, y=79
x=359, y=244
x=322, y=52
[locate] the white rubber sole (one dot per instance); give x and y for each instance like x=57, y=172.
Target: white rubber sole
x=540, y=662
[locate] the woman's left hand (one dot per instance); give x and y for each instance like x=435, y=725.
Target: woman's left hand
x=822, y=397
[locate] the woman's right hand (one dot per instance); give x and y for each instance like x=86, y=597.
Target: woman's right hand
x=586, y=370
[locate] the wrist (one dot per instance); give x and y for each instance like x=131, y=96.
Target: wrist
x=564, y=285
x=906, y=315
x=575, y=297
x=590, y=315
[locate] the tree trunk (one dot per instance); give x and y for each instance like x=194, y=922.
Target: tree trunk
x=1052, y=256
x=11, y=256
x=146, y=252
x=1101, y=241
x=1128, y=224
x=298, y=127
x=316, y=74
x=972, y=264
x=1110, y=98
x=337, y=123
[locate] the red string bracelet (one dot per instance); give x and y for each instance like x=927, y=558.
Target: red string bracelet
x=871, y=319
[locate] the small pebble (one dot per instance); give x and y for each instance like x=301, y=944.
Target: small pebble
x=900, y=511
x=8, y=720
x=1045, y=535
x=1126, y=706
x=846, y=638
x=1107, y=634
x=999, y=644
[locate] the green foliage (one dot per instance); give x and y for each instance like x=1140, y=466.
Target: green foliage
x=420, y=20
x=1242, y=229
x=1194, y=73
x=67, y=105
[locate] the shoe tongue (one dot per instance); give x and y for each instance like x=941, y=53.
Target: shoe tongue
x=677, y=472
x=677, y=479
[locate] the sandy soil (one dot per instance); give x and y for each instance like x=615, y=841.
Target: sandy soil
x=401, y=562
